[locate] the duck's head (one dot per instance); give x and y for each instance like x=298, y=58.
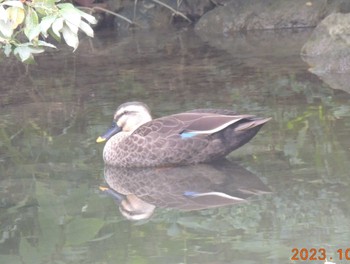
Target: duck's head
x=128, y=117
x=130, y=206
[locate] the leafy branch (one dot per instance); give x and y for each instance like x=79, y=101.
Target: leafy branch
x=25, y=25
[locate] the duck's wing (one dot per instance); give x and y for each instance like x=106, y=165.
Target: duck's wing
x=199, y=123
x=244, y=122
x=208, y=123
x=190, y=124
x=213, y=111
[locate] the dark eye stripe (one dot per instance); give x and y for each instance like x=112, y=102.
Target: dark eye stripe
x=125, y=112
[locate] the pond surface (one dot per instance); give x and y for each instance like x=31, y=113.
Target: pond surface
x=293, y=176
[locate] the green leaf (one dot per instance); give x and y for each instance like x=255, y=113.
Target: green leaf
x=51, y=209
x=65, y=5
x=8, y=49
x=33, y=33
x=36, y=50
x=29, y=253
x=46, y=44
x=73, y=27
x=70, y=37
x=13, y=3
x=32, y=29
x=86, y=28
x=46, y=23
x=52, y=34
x=16, y=15
x=25, y=52
x=6, y=30
x=45, y=7
x=57, y=26
x=89, y=18
x=72, y=18
x=3, y=14
x=82, y=230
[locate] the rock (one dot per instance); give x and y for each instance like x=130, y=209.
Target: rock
x=338, y=81
x=267, y=49
x=241, y=15
x=327, y=51
x=328, y=48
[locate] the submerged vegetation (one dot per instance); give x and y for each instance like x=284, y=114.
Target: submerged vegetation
x=52, y=211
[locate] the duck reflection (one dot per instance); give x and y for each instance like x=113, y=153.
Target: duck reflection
x=138, y=191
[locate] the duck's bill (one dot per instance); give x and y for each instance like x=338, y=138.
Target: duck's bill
x=117, y=196
x=109, y=133
x=100, y=140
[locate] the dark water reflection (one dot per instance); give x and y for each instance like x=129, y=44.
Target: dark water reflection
x=52, y=210
x=138, y=191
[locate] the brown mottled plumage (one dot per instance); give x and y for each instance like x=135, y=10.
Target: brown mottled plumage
x=202, y=135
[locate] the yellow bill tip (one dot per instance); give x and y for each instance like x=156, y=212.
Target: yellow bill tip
x=103, y=188
x=100, y=139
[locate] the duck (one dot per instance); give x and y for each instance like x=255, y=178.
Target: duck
x=135, y=139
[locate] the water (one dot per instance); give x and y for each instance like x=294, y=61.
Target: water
x=52, y=210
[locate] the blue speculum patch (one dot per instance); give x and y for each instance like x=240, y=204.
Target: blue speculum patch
x=190, y=194
x=187, y=134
